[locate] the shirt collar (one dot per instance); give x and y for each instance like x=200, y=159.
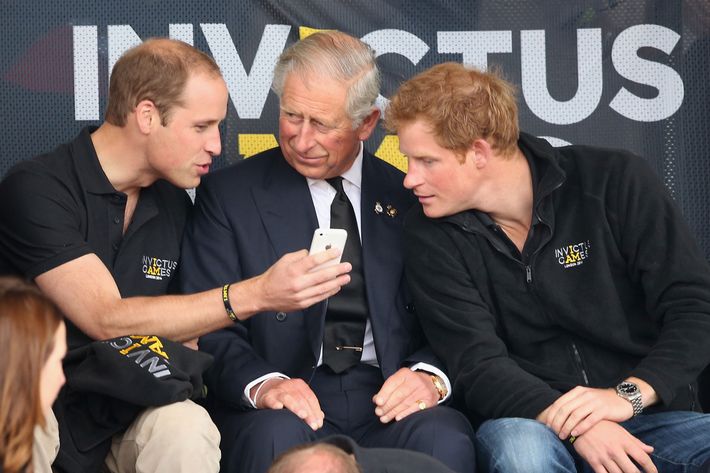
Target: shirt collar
x=88, y=165
x=352, y=175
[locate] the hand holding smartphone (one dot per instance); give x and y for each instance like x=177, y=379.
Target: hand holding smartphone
x=326, y=238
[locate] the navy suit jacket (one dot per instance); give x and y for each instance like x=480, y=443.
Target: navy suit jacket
x=250, y=214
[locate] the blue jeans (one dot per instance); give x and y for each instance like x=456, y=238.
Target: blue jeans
x=681, y=442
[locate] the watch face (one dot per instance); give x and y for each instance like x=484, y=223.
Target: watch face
x=627, y=388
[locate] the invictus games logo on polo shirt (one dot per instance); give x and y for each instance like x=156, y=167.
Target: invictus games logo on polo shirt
x=573, y=254
x=157, y=268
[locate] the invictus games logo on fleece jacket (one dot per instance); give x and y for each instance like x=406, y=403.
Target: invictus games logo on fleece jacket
x=147, y=351
x=573, y=254
x=109, y=382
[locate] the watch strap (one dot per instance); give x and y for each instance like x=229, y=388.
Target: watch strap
x=637, y=404
x=634, y=398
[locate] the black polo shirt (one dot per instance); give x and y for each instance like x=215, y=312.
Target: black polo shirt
x=59, y=206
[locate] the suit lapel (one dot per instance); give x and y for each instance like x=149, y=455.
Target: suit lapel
x=286, y=208
x=382, y=258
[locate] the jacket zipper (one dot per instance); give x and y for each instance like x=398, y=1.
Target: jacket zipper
x=528, y=273
x=575, y=350
x=578, y=359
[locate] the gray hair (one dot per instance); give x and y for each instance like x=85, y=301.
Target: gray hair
x=338, y=56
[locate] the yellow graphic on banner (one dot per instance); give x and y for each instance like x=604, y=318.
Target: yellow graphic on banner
x=305, y=32
x=251, y=144
x=389, y=152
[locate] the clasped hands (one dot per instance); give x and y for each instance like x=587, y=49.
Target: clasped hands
x=591, y=417
x=402, y=394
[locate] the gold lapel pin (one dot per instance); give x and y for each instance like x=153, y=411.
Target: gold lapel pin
x=391, y=211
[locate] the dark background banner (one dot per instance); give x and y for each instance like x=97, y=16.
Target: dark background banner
x=618, y=73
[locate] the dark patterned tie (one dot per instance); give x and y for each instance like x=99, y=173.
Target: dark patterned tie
x=346, y=317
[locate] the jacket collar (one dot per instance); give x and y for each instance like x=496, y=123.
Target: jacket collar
x=547, y=174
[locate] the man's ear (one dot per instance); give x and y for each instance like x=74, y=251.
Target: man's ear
x=368, y=124
x=481, y=152
x=147, y=116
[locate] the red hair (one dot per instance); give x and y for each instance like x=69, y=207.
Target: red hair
x=461, y=105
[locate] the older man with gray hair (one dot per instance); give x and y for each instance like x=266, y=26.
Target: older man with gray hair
x=357, y=365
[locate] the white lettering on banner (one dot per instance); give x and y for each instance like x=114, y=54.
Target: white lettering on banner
x=589, y=77
x=475, y=46
x=663, y=78
x=121, y=38
x=248, y=98
x=407, y=45
x=249, y=91
x=86, y=73
x=182, y=32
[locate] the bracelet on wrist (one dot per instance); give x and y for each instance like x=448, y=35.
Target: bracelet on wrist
x=227, y=304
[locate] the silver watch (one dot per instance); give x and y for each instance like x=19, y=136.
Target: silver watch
x=631, y=392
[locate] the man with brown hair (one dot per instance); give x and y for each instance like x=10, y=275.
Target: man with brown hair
x=97, y=224
x=561, y=286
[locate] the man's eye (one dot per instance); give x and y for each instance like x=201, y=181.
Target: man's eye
x=321, y=127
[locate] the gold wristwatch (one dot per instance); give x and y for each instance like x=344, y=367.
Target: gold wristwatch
x=439, y=386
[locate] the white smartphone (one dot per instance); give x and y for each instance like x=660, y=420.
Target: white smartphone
x=325, y=239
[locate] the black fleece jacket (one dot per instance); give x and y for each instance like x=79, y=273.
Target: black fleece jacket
x=611, y=284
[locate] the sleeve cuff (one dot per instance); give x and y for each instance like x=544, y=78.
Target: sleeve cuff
x=434, y=370
x=258, y=380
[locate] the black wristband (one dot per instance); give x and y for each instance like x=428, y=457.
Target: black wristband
x=227, y=304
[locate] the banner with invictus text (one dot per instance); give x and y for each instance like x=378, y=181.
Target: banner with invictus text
x=617, y=73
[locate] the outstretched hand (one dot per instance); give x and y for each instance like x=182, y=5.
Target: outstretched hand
x=293, y=283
